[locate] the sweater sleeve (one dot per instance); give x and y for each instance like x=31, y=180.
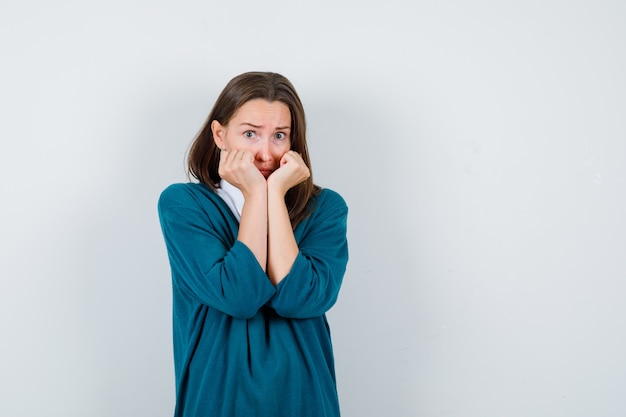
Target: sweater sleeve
x=207, y=264
x=312, y=285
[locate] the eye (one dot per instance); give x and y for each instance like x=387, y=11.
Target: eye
x=249, y=134
x=280, y=136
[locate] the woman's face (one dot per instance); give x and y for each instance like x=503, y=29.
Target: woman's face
x=261, y=127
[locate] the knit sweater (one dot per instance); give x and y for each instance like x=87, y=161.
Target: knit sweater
x=243, y=347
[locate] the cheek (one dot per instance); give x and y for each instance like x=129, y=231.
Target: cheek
x=242, y=145
x=282, y=148
x=278, y=154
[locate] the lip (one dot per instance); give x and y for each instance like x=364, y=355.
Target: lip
x=266, y=172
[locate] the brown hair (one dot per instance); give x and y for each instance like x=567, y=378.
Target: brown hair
x=204, y=156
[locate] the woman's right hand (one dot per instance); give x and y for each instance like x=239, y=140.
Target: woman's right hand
x=237, y=167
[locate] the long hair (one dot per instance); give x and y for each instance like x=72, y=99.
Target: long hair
x=204, y=156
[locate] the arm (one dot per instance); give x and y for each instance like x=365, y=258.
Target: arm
x=207, y=263
x=282, y=247
x=237, y=167
x=312, y=285
x=253, y=226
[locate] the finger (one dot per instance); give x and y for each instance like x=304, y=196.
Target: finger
x=234, y=156
x=224, y=157
x=295, y=155
x=246, y=156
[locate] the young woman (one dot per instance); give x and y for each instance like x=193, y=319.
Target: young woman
x=257, y=254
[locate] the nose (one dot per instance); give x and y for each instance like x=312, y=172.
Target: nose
x=263, y=151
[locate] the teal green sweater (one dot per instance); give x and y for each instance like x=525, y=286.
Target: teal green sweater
x=243, y=347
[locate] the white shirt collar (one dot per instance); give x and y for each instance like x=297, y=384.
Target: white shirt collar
x=232, y=196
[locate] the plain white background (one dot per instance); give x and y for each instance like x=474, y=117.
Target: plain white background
x=480, y=146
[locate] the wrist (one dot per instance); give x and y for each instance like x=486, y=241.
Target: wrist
x=275, y=190
x=259, y=191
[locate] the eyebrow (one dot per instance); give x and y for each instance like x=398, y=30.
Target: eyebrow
x=259, y=127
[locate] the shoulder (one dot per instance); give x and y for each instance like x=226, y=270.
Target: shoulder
x=329, y=214
x=329, y=199
x=185, y=195
x=331, y=196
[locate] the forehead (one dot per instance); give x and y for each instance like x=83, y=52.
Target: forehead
x=260, y=112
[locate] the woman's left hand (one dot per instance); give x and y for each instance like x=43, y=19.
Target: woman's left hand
x=291, y=172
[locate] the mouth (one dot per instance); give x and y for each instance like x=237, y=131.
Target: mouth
x=266, y=172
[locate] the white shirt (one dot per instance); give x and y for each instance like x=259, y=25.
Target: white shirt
x=232, y=196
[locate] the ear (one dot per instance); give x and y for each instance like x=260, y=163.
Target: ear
x=218, y=133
